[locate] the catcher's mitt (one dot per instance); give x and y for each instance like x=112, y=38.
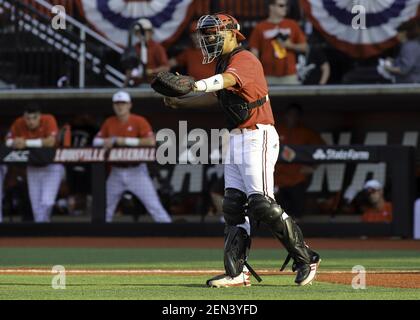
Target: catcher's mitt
x=172, y=85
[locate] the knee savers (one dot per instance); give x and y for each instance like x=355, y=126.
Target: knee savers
x=234, y=203
x=264, y=210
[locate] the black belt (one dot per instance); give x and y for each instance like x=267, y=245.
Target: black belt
x=257, y=103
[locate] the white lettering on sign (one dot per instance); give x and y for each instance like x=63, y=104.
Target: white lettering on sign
x=131, y=154
x=79, y=155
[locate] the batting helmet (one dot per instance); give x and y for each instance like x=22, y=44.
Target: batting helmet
x=210, y=29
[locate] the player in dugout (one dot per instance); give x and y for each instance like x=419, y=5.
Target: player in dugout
x=37, y=130
x=128, y=130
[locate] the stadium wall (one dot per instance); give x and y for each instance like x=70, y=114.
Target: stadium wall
x=372, y=115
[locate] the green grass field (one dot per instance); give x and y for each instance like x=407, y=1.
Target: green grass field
x=183, y=287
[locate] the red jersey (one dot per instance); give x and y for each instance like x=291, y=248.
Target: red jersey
x=290, y=174
x=263, y=39
x=135, y=127
x=251, y=86
x=47, y=127
x=378, y=215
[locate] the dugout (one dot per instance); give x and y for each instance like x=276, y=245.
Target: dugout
x=379, y=119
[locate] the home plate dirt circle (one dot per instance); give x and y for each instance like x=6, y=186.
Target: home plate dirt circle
x=389, y=278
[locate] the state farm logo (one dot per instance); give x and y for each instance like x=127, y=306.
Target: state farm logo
x=17, y=156
x=334, y=154
x=319, y=155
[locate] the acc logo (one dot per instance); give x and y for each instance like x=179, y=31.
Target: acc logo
x=17, y=156
x=319, y=155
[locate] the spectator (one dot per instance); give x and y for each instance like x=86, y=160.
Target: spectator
x=128, y=130
x=316, y=69
x=406, y=67
x=192, y=59
x=37, y=130
x=152, y=57
x=291, y=180
x=376, y=209
x=277, y=41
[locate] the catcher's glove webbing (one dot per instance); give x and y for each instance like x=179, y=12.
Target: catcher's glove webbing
x=172, y=85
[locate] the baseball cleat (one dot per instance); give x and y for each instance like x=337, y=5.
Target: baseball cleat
x=225, y=281
x=306, y=272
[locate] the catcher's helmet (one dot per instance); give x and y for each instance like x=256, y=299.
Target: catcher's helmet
x=211, y=36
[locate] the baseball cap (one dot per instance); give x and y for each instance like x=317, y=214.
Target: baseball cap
x=121, y=96
x=143, y=23
x=373, y=184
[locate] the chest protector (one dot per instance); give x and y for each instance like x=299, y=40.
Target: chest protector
x=236, y=108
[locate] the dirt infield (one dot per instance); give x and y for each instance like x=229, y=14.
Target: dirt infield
x=389, y=279
x=161, y=242
x=396, y=279
x=386, y=279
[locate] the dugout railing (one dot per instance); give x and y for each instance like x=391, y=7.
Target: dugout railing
x=400, y=162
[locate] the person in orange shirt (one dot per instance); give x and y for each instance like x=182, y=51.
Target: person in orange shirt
x=192, y=59
x=277, y=41
x=378, y=209
x=128, y=130
x=291, y=179
x=37, y=130
x=240, y=89
x=152, y=56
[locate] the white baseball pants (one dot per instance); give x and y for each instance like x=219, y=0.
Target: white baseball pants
x=136, y=180
x=252, y=157
x=44, y=183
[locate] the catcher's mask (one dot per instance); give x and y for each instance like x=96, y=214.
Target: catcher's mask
x=211, y=31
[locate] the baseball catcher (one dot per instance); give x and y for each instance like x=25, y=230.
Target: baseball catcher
x=240, y=89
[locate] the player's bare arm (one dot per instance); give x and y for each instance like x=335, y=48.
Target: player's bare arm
x=326, y=72
x=49, y=142
x=22, y=143
x=17, y=143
